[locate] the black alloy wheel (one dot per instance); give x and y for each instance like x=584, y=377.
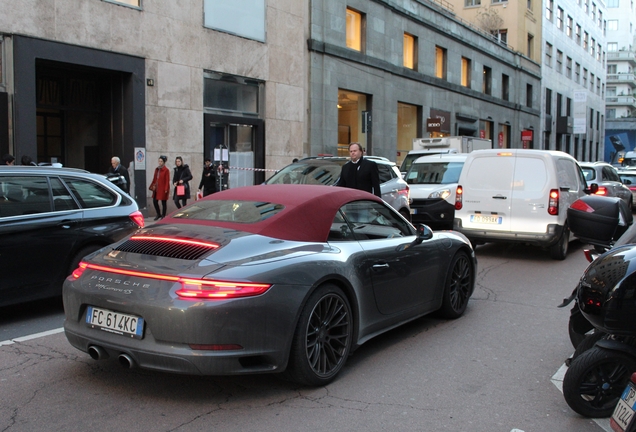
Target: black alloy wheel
x=596, y=379
x=323, y=338
x=458, y=288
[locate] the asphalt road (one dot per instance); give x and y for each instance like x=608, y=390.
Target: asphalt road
x=491, y=370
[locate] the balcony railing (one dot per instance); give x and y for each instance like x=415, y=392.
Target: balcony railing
x=622, y=78
x=629, y=56
x=620, y=101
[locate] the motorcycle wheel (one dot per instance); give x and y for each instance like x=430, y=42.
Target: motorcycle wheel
x=595, y=380
x=588, y=342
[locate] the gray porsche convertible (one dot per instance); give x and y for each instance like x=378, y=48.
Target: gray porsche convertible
x=258, y=279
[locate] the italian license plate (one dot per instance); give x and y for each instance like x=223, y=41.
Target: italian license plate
x=486, y=219
x=115, y=322
x=624, y=411
x=413, y=211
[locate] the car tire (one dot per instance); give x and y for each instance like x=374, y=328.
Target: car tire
x=595, y=381
x=559, y=251
x=322, y=340
x=78, y=257
x=457, y=288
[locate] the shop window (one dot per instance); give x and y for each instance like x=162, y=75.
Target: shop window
x=351, y=112
x=440, y=62
x=407, y=129
x=233, y=95
x=354, y=29
x=240, y=17
x=466, y=69
x=487, y=80
x=410, y=51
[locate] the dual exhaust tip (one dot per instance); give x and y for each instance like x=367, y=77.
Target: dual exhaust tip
x=99, y=353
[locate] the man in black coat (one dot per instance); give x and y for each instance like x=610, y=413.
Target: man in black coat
x=360, y=173
x=117, y=168
x=208, y=178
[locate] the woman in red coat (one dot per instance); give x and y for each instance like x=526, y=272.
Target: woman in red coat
x=160, y=187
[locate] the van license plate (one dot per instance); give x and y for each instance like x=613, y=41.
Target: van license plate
x=486, y=219
x=115, y=322
x=624, y=411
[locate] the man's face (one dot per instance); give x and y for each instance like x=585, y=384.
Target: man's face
x=208, y=163
x=355, y=153
x=113, y=162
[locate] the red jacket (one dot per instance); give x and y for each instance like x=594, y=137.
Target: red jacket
x=161, y=181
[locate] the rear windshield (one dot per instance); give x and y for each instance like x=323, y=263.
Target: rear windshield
x=230, y=211
x=434, y=173
x=496, y=173
x=589, y=173
x=308, y=173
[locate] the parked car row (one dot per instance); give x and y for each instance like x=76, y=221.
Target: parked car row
x=49, y=219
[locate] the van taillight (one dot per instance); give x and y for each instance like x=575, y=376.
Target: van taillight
x=553, y=204
x=459, y=195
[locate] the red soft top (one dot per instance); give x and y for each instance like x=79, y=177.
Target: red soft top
x=308, y=214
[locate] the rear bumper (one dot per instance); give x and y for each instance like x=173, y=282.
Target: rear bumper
x=437, y=213
x=546, y=239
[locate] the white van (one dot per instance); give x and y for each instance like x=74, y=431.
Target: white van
x=433, y=181
x=518, y=195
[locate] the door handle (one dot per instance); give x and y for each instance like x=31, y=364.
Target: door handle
x=500, y=197
x=380, y=266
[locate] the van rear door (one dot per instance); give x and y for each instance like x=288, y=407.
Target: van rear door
x=530, y=194
x=488, y=191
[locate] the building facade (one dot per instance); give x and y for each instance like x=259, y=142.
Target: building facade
x=384, y=73
x=83, y=80
x=620, y=99
x=567, y=37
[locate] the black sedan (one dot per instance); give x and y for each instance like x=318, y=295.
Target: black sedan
x=274, y=278
x=49, y=219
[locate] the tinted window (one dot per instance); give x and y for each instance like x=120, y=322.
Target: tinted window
x=569, y=174
x=628, y=179
x=24, y=195
x=385, y=173
x=230, y=211
x=610, y=174
x=371, y=220
x=340, y=229
x=589, y=173
x=308, y=173
x=89, y=194
x=435, y=173
x=62, y=198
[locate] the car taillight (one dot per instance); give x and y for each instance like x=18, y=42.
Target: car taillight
x=602, y=190
x=459, y=196
x=553, y=203
x=137, y=218
x=406, y=192
x=190, y=288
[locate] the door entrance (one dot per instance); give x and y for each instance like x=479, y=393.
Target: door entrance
x=244, y=141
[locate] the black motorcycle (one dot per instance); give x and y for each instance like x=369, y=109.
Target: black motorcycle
x=606, y=299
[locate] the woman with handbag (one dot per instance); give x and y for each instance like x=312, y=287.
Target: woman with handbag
x=160, y=187
x=181, y=182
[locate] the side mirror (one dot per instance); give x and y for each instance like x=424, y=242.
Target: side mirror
x=592, y=189
x=424, y=232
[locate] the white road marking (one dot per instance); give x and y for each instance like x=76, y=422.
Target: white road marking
x=33, y=336
x=557, y=380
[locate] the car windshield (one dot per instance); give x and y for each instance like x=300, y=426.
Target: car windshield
x=308, y=173
x=589, y=173
x=434, y=173
x=229, y=211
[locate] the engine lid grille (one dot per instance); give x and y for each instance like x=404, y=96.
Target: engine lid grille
x=169, y=247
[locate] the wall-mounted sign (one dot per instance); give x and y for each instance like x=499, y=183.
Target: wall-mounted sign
x=441, y=117
x=140, y=158
x=526, y=135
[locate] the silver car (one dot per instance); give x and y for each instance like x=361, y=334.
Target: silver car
x=608, y=181
x=264, y=279
x=628, y=178
x=325, y=170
